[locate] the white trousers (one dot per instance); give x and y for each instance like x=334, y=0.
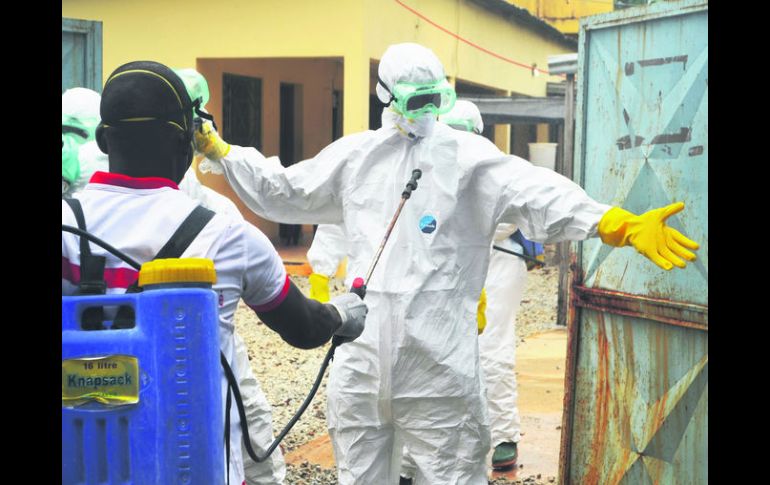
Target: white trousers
x=505, y=283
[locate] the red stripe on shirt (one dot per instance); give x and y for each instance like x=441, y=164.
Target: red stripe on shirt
x=131, y=182
x=113, y=277
x=275, y=301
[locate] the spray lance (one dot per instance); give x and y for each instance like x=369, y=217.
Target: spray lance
x=535, y=261
x=359, y=284
x=359, y=288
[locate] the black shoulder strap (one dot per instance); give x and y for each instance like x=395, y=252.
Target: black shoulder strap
x=91, y=272
x=186, y=233
x=174, y=247
x=91, y=267
x=77, y=209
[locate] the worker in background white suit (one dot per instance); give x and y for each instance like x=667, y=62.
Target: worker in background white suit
x=412, y=378
x=505, y=283
x=79, y=153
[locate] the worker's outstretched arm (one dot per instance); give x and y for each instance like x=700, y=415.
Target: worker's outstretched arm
x=306, y=323
x=308, y=192
x=549, y=208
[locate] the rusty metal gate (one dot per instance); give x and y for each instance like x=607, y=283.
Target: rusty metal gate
x=636, y=400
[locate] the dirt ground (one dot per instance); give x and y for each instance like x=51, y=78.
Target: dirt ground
x=286, y=375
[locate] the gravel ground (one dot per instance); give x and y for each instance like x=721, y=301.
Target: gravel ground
x=287, y=374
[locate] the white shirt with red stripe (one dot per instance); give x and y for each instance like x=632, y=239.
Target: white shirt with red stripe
x=138, y=216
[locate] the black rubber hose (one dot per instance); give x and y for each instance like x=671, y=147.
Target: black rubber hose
x=242, y=412
x=103, y=244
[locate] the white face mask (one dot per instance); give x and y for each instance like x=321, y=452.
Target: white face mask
x=411, y=128
x=422, y=126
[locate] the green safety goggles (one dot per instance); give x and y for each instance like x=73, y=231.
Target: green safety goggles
x=414, y=100
x=459, y=124
x=70, y=149
x=198, y=90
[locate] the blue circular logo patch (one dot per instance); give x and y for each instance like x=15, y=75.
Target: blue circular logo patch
x=428, y=224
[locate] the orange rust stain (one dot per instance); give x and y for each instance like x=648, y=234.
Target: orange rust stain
x=661, y=379
x=621, y=466
x=601, y=413
x=655, y=470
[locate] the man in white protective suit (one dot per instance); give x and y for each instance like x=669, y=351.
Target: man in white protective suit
x=504, y=286
x=80, y=109
x=412, y=378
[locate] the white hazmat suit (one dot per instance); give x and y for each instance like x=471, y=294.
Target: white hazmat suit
x=506, y=280
x=329, y=248
x=412, y=377
x=505, y=283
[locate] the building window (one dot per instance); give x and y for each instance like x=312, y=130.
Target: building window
x=290, y=146
x=242, y=110
x=81, y=54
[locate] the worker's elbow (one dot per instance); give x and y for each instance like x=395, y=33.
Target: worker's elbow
x=305, y=342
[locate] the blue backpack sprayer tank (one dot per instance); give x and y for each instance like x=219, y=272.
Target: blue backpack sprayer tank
x=144, y=404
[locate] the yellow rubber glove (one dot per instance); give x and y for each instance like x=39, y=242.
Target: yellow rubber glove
x=208, y=142
x=649, y=234
x=481, y=313
x=319, y=287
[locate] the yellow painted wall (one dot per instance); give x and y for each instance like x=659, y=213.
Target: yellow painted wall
x=542, y=133
x=177, y=33
x=356, y=30
x=503, y=138
x=388, y=23
x=249, y=36
x=318, y=77
x=564, y=14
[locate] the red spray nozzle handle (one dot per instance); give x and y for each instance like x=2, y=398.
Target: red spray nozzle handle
x=359, y=287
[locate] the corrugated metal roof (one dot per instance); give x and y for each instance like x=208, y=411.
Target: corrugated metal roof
x=563, y=63
x=516, y=14
x=504, y=110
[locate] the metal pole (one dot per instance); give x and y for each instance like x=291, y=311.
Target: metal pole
x=563, y=247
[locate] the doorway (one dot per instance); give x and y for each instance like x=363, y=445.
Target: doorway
x=290, y=147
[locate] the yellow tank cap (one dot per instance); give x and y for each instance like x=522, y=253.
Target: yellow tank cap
x=177, y=270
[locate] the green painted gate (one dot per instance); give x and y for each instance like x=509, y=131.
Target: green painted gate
x=636, y=400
